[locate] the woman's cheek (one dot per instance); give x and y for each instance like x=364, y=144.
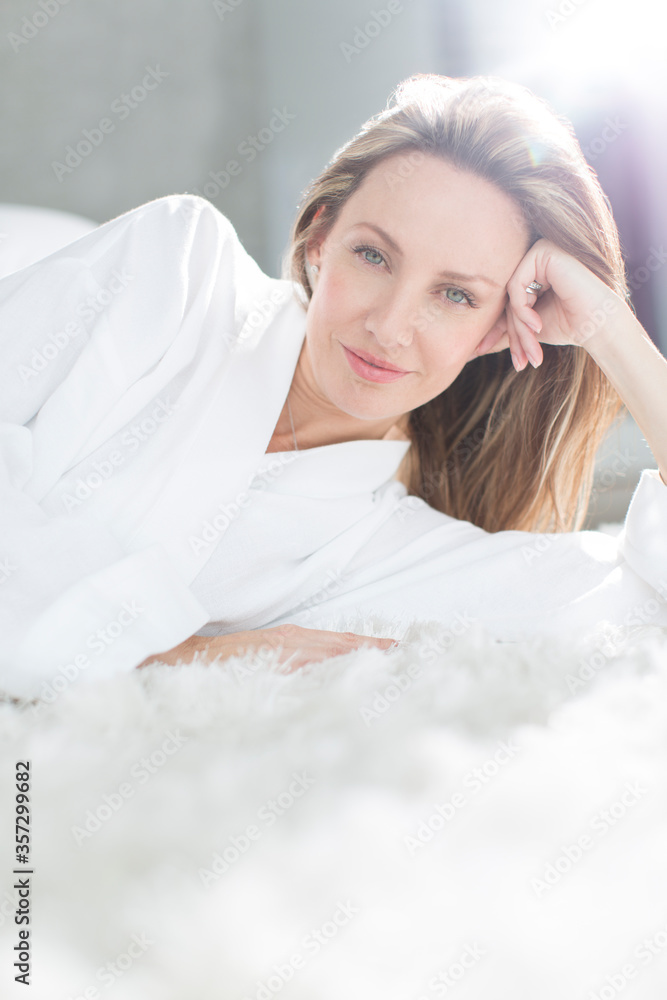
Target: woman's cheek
x=347, y=290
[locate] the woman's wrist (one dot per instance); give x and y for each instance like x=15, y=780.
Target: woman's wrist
x=617, y=330
x=203, y=648
x=638, y=371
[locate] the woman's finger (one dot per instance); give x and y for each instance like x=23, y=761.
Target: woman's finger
x=519, y=359
x=487, y=342
x=527, y=338
x=524, y=302
x=492, y=341
x=300, y=646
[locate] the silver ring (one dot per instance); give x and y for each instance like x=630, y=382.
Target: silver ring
x=534, y=287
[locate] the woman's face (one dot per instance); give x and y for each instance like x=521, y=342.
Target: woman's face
x=413, y=273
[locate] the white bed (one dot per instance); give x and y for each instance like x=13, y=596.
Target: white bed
x=163, y=870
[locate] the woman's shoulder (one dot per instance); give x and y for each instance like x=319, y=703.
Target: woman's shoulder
x=186, y=208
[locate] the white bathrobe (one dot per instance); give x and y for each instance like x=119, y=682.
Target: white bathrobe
x=143, y=370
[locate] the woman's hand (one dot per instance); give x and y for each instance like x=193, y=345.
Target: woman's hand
x=572, y=306
x=296, y=646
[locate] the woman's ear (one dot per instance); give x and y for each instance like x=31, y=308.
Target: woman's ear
x=496, y=339
x=313, y=254
x=313, y=245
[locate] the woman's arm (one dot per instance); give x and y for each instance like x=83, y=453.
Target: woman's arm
x=295, y=646
x=638, y=372
x=79, y=331
x=577, y=307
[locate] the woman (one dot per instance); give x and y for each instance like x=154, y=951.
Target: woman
x=460, y=222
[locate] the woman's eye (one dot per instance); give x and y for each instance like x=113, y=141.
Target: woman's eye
x=456, y=295
x=369, y=254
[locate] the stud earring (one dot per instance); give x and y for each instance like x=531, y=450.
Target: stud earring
x=311, y=271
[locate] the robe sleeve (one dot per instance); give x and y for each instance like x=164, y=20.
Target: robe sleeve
x=77, y=331
x=422, y=565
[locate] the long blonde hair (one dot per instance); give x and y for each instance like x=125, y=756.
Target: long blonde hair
x=500, y=449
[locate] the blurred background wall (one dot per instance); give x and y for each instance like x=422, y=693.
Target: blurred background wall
x=107, y=104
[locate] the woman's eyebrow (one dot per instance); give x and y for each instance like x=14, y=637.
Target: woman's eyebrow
x=456, y=275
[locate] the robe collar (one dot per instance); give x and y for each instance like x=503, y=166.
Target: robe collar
x=332, y=470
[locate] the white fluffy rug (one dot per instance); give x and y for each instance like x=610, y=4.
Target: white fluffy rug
x=465, y=818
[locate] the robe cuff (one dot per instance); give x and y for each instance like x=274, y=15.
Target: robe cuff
x=104, y=624
x=643, y=538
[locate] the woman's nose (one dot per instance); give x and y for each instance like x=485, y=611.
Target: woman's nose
x=396, y=318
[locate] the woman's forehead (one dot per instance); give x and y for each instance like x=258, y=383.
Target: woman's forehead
x=434, y=204
x=402, y=184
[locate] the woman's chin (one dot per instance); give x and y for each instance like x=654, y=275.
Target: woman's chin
x=363, y=402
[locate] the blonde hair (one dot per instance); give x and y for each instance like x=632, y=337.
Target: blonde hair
x=502, y=449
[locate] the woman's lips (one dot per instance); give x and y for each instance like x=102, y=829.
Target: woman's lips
x=371, y=373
